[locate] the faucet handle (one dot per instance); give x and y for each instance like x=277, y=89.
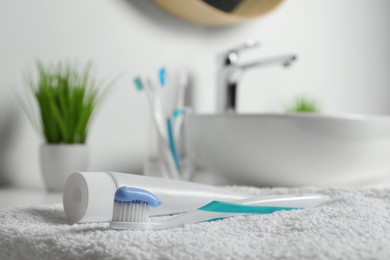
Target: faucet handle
x=232, y=56
x=248, y=44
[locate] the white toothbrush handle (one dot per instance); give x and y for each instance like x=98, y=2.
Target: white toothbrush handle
x=183, y=82
x=155, y=106
x=218, y=210
x=283, y=202
x=301, y=201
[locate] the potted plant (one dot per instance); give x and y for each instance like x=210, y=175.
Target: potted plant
x=303, y=104
x=67, y=99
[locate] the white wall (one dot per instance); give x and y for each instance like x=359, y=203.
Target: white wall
x=343, y=46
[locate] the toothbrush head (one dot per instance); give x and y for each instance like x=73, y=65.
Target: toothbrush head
x=163, y=77
x=178, y=112
x=138, y=83
x=133, y=204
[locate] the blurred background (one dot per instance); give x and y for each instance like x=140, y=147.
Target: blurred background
x=343, y=49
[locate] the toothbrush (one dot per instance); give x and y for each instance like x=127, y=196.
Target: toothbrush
x=126, y=209
x=155, y=107
x=170, y=130
x=150, y=90
x=183, y=82
x=173, y=144
x=165, y=90
x=167, y=154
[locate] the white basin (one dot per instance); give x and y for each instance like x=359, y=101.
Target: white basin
x=292, y=149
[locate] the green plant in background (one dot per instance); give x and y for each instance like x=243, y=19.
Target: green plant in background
x=303, y=104
x=67, y=98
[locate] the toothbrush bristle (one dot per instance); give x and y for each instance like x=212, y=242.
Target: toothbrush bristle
x=138, y=83
x=134, y=211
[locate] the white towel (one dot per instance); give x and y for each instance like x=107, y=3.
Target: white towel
x=354, y=225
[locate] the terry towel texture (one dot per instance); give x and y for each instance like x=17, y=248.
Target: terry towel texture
x=354, y=225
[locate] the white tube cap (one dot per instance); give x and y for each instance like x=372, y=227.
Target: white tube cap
x=88, y=197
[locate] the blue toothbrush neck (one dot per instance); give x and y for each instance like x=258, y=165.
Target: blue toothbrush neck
x=229, y=207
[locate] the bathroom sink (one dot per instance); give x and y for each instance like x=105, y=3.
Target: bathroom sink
x=292, y=149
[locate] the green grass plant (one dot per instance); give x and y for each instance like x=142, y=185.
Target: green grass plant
x=67, y=98
x=303, y=104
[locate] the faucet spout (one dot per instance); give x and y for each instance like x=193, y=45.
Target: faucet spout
x=234, y=73
x=285, y=61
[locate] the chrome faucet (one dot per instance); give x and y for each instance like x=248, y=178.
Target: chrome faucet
x=232, y=72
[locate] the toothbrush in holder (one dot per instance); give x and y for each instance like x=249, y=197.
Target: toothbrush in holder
x=170, y=128
x=167, y=158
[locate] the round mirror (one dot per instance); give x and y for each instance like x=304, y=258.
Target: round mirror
x=218, y=12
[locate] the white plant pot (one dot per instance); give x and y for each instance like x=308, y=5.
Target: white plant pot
x=60, y=161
